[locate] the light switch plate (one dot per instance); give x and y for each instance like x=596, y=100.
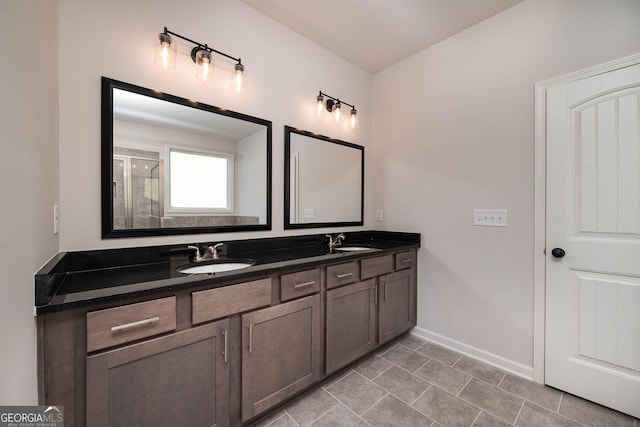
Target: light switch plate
x=379, y=215
x=490, y=217
x=309, y=213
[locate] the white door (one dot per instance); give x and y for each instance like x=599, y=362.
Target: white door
x=592, y=323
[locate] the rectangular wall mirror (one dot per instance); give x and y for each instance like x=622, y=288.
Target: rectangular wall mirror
x=176, y=166
x=324, y=181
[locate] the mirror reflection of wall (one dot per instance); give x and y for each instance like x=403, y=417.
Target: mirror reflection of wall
x=325, y=181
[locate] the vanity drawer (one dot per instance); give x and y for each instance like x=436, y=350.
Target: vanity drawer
x=342, y=274
x=299, y=284
x=222, y=302
x=404, y=260
x=377, y=266
x=119, y=325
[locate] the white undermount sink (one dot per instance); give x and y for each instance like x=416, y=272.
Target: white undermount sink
x=352, y=248
x=216, y=266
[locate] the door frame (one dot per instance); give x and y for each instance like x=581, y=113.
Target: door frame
x=540, y=198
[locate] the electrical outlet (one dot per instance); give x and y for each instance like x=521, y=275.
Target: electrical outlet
x=379, y=215
x=490, y=217
x=56, y=219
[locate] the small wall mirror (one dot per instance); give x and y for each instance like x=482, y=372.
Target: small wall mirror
x=175, y=166
x=324, y=181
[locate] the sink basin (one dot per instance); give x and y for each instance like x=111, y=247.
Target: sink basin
x=353, y=248
x=216, y=266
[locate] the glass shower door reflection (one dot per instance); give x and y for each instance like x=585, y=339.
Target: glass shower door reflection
x=137, y=195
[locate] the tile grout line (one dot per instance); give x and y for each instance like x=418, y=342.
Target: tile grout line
x=501, y=380
x=476, y=418
x=292, y=419
x=519, y=410
x=421, y=394
x=377, y=376
x=340, y=402
x=471, y=377
x=484, y=409
x=284, y=414
x=560, y=402
x=323, y=414
x=378, y=401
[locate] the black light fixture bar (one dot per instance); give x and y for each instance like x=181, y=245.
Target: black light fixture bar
x=338, y=100
x=200, y=46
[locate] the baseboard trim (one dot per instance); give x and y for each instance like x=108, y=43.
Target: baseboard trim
x=476, y=353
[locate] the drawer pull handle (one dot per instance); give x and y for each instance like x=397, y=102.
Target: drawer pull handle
x=407, y=260
x=302, y=285
x=135, y=324
x=343, y=275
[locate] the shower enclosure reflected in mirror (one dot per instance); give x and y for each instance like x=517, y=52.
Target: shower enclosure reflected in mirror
x=324, y=181
x=175, y=166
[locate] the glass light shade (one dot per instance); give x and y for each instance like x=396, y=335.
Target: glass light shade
x=204, y=66
x=336, y=110
x=320, y=104
x=165, y=52
x=238, y=79
x=354, y=118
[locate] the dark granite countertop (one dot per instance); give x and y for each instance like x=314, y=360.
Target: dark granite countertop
x=77, y=279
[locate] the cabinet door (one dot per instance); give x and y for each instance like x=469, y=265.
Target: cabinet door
x=396, y=304
x=351, y=323
x=280, y=353
x=177, y=380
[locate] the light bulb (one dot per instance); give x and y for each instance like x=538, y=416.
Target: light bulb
x=337, y=109
x=354, y=118
x=320, y=104
x=165, y=54
x=238, y=79
x=204, y=66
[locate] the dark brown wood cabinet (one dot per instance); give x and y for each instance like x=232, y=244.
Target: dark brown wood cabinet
x=351, y=323
x=181, y=379
x=396, y=304
x=280, y=353
x=222, y=355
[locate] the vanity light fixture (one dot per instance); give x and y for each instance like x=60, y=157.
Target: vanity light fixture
x=334, y=105
x=201, y=54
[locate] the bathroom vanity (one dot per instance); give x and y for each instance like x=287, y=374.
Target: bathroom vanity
x=124, y=338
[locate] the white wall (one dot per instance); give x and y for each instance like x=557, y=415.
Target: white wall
x=29, y=177
x=454, y=132
x=116, y=39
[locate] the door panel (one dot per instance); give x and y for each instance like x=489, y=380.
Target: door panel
x=351, y=323
x=280, y=353
x=592, y=331
x=180, y=379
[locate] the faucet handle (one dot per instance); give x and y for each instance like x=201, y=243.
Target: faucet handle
x=197, y=249
x=214, y=249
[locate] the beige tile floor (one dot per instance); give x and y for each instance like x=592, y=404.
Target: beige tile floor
x=417, y=383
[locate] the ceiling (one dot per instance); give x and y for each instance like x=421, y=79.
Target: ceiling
x=374, y=34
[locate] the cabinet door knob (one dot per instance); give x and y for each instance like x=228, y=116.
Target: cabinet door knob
x=558, y=252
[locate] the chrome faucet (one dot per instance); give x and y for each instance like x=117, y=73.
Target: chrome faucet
x=334, y=242
x=210, y=253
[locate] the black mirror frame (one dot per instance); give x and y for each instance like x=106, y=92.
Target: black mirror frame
x=108, y=232
x=288, y=130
